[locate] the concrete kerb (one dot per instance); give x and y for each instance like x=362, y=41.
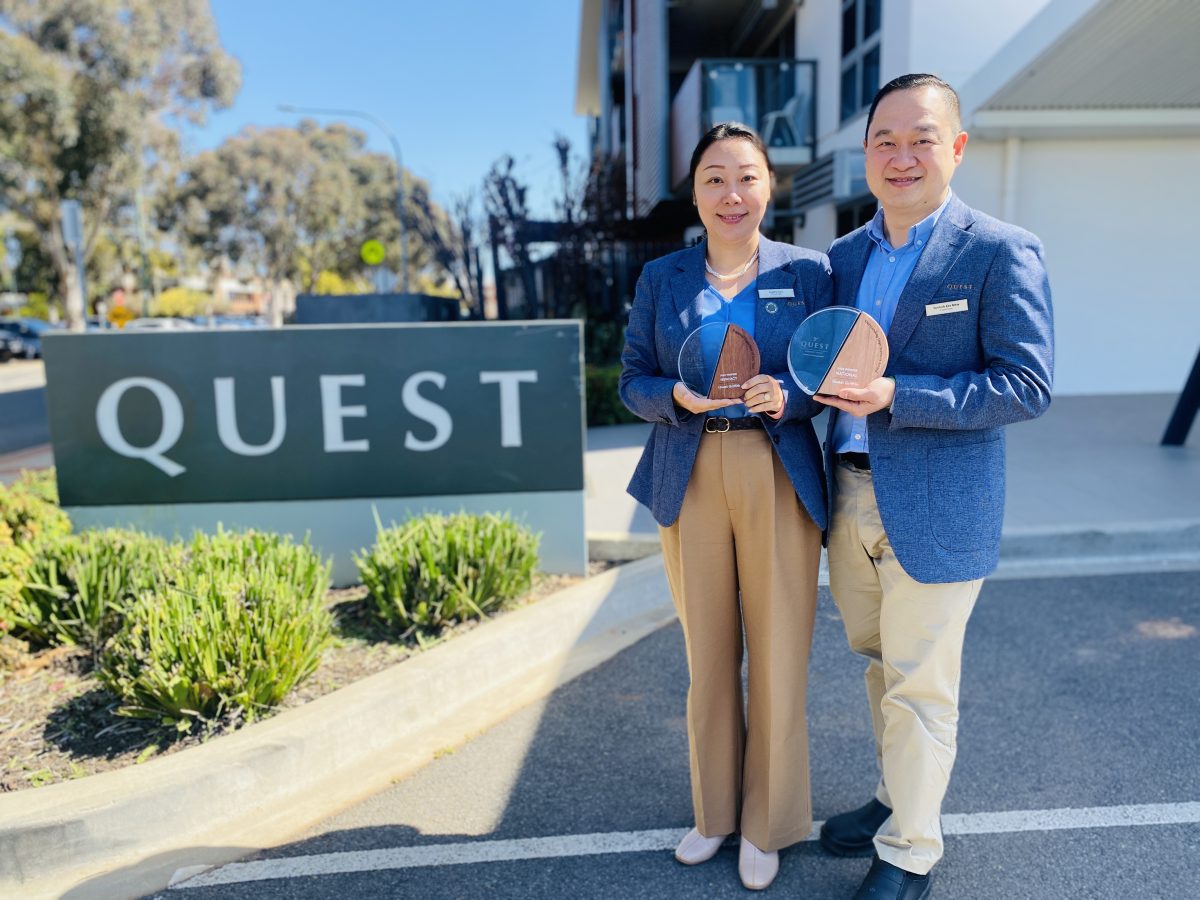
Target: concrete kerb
x=125, y=832
x=1165, y=537
x=1024, y=552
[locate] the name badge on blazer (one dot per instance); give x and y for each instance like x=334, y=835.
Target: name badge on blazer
x=770, y=293
x=946, y=306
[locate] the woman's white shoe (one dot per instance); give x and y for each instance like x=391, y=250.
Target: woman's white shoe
x=758, y=869
x=696, y=848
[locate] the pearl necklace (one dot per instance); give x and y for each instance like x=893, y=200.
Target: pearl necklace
x=738, y=274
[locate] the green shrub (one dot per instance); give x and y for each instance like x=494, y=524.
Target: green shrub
x=180, y=301
x=37, y=306
x=437, y=570
x=28, y=513
x=604, y=406
x=603, y=341
x=77, y=588
x=29, y=507
x=13, y=562
x=243, y=624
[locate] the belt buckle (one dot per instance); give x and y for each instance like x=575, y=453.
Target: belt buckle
x=716, y=425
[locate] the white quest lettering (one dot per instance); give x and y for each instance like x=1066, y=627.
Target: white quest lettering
x=227, y=427
x=427, y=411
x=510, y=401
x=172, y=423
x=334, y=414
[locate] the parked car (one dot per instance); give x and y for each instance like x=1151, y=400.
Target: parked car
x=164, y=323
x=11, y=347
x=29, y=331
x=224, y=321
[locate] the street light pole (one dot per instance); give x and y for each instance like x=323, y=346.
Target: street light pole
x=287, y=107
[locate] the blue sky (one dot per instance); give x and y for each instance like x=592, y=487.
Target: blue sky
x=459, y=83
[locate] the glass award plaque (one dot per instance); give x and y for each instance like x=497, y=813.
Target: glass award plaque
x=717, y=359
x=837, y=348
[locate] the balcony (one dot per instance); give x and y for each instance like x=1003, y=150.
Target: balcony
x=776, y=97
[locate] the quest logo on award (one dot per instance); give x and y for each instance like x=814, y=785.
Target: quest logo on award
x=837, y=348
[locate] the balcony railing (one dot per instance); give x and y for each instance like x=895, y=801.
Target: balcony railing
x=776, y=97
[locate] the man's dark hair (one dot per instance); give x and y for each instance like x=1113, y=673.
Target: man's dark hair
x=917, y=80
x=724, y=132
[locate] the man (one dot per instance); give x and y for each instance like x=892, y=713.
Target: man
x=916, y=458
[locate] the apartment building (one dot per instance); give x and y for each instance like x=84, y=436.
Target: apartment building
x=1083, y=115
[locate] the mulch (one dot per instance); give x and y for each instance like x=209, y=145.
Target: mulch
x=57, y=724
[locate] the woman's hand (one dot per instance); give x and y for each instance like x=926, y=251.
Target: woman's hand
x=693, y=402
x=764, y=394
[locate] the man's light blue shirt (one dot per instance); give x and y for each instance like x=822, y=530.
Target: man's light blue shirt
x=884, y=279
x=738, y=310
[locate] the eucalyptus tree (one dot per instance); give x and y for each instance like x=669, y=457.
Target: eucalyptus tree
x=297, y=202
x=86, y=91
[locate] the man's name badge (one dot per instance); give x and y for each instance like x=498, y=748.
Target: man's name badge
x=774, y=293
x=717, y=359
x=835, y=348
x=946, y=306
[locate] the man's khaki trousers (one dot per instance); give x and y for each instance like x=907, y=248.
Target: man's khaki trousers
x=912, y=636
x=742, y=527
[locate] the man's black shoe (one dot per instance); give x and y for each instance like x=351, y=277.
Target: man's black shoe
x=853, y=833
x=887, y=882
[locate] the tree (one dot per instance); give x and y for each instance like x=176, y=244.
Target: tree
x=253, y=198
x=467, y=225
x=34, y=272
x=300, y=202
x=504, y=202
x=447, y=239
x=85, y=88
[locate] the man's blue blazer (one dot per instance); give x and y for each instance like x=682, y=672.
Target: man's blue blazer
x=665, y=311
x=937, y=457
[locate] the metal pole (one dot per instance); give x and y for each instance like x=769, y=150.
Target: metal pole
x=497, y=276
x=287, y=107
x=1185, y=409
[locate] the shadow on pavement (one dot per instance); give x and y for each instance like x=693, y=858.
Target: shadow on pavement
x=1076, y=693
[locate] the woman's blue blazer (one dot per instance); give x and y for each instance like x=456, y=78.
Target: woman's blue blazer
x=666, y=309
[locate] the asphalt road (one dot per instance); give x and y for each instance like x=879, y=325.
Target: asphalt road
x=1078, y=694
x=23, y=419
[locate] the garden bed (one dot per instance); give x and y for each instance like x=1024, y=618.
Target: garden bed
x=58, y=724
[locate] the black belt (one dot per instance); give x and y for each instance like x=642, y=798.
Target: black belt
x=860, y=461
x=721, y=424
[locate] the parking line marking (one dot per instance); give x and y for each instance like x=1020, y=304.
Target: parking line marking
x=473, y=852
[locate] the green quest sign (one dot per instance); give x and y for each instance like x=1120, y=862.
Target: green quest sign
x=306, y=413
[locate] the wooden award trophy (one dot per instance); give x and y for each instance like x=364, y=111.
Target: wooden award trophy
x=835, y=348
x=737, y=363
x=717, y=359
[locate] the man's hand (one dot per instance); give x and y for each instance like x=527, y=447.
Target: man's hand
x=693, y=402
x=862, y=401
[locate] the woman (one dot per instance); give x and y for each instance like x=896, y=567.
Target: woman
x=738, y=492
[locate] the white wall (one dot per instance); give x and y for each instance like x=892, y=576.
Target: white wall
x=819, y=230
x=952, y=38
x=818, y=36
x=1115, y=219
x=979, y=181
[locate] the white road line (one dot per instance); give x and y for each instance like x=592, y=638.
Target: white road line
x=469, y=852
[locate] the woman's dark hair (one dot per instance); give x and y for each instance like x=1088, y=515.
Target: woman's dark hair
x=724, y=132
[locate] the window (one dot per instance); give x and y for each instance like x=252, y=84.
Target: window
x=860, y=54
x=855, y=214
